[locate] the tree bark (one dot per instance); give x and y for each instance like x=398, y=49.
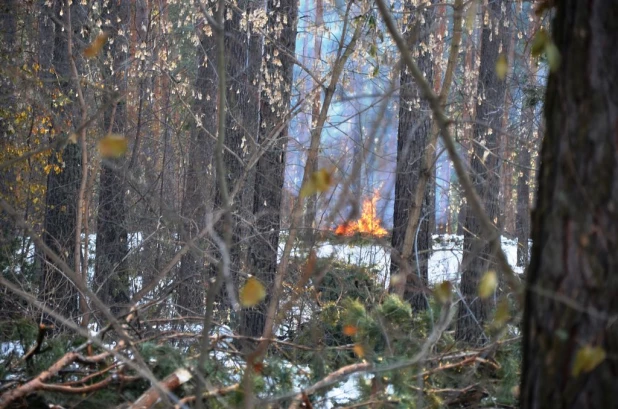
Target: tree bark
x=572, y=280
x=522, y=217
x=274, y=111
x=527, y=144
x=8, y=29
x=241, y=133
x=412, y=135
x=470, y=88
x=478, y=257
x=64, y=178
x=111, y=269
x=200, y=176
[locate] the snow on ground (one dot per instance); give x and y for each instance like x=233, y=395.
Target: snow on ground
x=11, y=347
x=444, y=263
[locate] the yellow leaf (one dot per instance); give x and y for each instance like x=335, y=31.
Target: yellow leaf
x=541, y=38
x=588, y=358
x=397, y=279
x=443, y=291
x=358, y=350
x=252, y=293
x=502, y=313
x=488, y=284
x=502, y=67
x=72, y=138
x=113, y=146
x=95, y=47
x=553, y=56
x=349, y=330
x=318, y=182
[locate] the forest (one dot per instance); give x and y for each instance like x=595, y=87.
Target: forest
x=308, y=204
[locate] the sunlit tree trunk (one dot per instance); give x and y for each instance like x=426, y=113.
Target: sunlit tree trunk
x=477, y=258
x=506, y=211
x=470, y=84
x=572, y=280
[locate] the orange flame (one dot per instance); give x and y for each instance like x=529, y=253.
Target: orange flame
x=368, y=223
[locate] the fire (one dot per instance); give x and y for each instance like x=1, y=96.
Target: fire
x=368, y=223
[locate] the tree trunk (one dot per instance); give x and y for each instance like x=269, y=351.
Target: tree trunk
x=200, y=177
x=8, y=29
x=413, y=133
x=65, y=176
x=572, y=280
x=274, y=109
x=506, y=215
x=522, y=217
x=470, y=85
x=111, y=269
x=527, y=144
x=478, y=257
x=241, y=129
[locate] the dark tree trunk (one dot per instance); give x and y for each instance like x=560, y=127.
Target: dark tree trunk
x=8, y=29
x=274, y=108
x=413, y=133
x=572, y=280
x=526, y=144
x=200, y=177
x=64, y=178
x=485, y=167
x=144, y=163
x=241, y=130
x=522, y=217
x=111, y=270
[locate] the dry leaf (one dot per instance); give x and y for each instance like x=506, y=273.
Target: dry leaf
x=95, y=47
x=318, y=182
x=258, y=367
x=443, y=291
x=588, y=358
x=488, y=284
x=349, y=330
x=358, y=350
x=252, y=293
x=113, y=146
